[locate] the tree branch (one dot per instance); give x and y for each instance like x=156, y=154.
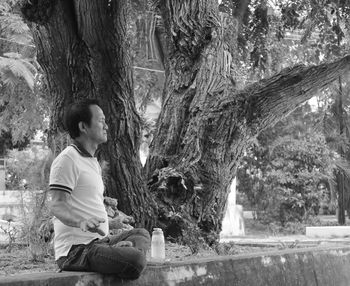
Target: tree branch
x=266, y=102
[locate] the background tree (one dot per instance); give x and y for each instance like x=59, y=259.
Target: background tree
x=282, y=171
x=332, y=24
x=310, y=33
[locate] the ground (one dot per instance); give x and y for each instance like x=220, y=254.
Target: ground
x=18, y=261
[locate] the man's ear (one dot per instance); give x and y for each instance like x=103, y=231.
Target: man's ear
x=82, y=128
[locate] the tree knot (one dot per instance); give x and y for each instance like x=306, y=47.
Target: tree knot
x=165, y=177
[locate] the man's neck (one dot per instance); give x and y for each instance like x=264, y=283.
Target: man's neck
x=87, y=145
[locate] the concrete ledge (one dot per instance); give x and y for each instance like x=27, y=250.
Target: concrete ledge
x=328, y=231
x=309, y=266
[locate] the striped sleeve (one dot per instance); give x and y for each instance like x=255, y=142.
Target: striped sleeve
x=57, y=187
x=63, y=174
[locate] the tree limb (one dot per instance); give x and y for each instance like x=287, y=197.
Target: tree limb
x=266, y=102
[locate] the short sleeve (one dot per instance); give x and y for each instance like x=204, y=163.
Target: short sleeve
x=63, y=174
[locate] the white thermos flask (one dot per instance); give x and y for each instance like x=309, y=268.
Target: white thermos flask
x=158, y=245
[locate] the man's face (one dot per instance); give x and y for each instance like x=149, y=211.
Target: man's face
x=97, y=131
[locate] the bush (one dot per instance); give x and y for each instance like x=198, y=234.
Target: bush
x=282, y=185
x=28, y=171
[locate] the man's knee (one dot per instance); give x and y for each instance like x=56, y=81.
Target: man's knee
x=138, y=262
x=135, y=267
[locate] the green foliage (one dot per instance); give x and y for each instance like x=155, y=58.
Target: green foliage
x=281, y=174
x=305, y=32
x=13, y=68
x=28, y=169
x=260, y=28
x=12, y=26
x=37, y=227
x=277, y=34
x=193, y=238
x=11, y=232
x=24, y=107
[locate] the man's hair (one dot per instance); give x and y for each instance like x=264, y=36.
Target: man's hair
x=78, y=112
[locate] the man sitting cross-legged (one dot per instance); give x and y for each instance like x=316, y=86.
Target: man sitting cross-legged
x=80, y=219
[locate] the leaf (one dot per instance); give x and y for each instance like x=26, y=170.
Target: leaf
x=16, y=67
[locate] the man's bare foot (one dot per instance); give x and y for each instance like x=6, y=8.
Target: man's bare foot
x=124, y=243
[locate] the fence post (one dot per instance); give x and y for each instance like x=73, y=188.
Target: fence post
x=2, y=173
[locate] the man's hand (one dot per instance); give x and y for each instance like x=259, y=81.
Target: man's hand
x=127, y=219
x=119, y=222
x=92, y=225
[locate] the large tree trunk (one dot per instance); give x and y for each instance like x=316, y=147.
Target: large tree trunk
x=205, y=125
x=84, y=51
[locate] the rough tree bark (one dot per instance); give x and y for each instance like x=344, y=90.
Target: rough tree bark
x=84, y=51
x=205, y=125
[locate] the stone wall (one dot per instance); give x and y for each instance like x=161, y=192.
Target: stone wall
x=328, y=266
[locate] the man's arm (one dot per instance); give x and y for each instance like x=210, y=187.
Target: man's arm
x=61, y=209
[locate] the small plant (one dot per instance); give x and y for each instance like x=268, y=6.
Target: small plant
x=192, y=237
x=228, y=248
x=38, y=230
x=11, y=232
x=32, y=165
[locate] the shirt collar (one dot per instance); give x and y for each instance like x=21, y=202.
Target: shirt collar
x=82, y=151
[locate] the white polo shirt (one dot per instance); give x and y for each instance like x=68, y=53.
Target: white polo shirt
x=78, y=173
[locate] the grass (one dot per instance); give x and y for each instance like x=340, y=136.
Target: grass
x=19, y=261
